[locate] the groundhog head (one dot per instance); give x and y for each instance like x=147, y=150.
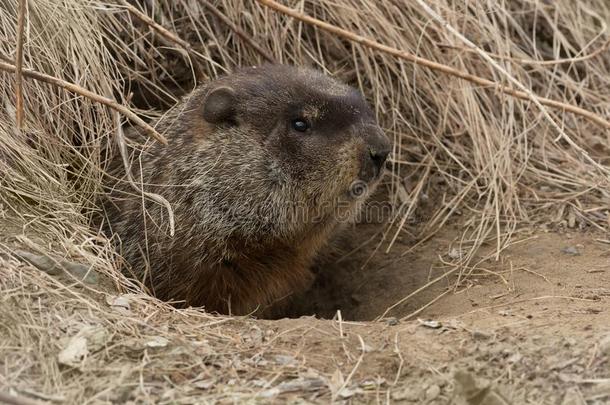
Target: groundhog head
x=302, y=138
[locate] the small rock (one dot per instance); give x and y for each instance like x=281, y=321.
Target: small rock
x=481, y=335
x=255, y=336
x=515, y=358
x=89, y=339
x=391, y=321
x=74, y=352
x=157, y=341
x=469, y=387
x=57, y=266
x=432, y=392
x=204, y=384
x=119, y=303
x=454, y=254
x=468, y=384
x=284, y=360
x=299, y=384
x=570, y=250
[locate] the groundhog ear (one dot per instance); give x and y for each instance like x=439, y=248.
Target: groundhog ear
x=219, y=105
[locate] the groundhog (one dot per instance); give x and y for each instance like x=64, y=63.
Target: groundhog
x=262, y=166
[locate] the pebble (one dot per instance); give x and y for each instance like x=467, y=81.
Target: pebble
x=481, y=335
x=570, y=250
x=432, y=392
x=391, y=321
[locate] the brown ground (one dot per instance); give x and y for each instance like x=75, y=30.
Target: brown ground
x=539, y=334
x=537, y=264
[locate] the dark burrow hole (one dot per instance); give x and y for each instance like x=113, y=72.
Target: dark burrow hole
x=356, y=279
x=358, y=275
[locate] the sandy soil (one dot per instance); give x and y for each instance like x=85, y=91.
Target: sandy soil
x=537, y=264
x=532, y=327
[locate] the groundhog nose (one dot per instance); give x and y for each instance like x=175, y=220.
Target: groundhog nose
x=379, y=157
x=377, y=149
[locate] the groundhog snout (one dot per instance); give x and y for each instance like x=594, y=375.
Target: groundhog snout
x=376, y=151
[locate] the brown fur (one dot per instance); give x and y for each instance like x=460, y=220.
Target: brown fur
x=254, y=199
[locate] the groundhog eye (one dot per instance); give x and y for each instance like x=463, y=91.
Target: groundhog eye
x=300, y=125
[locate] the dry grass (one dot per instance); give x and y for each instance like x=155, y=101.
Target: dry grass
x=486, y=159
